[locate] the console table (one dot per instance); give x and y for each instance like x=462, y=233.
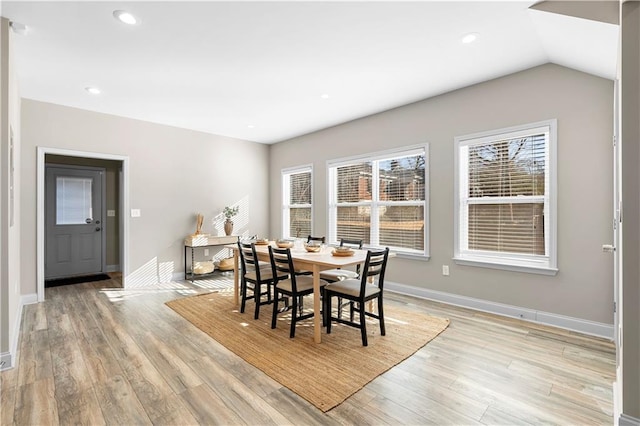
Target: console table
x=202, y=242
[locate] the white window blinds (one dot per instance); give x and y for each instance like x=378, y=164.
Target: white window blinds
x=380, y=200
x=297, y=202
x=506, y=195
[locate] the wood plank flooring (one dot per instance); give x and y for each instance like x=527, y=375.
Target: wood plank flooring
x=96, y=354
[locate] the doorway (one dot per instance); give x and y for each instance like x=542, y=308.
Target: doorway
x=75, y=199
x=117, y=203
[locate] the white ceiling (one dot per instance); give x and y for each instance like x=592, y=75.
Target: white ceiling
x=220, y=67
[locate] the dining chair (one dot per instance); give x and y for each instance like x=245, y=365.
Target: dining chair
x=254, y=277
x=333, y=275
x=359, y=291
x=294, y=286
x=309, y=239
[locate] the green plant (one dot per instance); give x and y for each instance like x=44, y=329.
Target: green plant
x=230, y=212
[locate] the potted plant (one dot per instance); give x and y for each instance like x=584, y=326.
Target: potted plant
x=229, y=212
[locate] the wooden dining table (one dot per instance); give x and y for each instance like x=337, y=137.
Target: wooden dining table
x=303, y=260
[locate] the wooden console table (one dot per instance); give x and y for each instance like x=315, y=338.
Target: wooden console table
x=201, y=242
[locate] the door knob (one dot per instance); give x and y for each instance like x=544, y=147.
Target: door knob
x=97, y=228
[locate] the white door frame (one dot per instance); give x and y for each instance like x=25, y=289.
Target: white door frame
x=40, y=216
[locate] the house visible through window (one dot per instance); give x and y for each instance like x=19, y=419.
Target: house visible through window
x=506, y=198
x=296, y=202
x=381, y=199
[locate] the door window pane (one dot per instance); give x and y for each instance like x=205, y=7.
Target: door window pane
x=73, y=200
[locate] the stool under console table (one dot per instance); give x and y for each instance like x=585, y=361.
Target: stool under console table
x=202, y=241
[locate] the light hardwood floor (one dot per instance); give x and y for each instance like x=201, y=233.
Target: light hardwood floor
x=96, y=354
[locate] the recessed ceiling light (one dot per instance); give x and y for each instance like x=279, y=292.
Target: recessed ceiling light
x=93, y=90
x=251, y=126
x=124, y=16
x=324, y=96
x=470, y=38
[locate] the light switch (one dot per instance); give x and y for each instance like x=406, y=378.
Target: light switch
x=135, y=212
x=111, y=213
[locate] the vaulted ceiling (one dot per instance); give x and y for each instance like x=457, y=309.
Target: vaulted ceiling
x=269, y=71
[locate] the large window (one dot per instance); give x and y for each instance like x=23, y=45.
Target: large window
x=296, y=202
x=381, y=199
x=505, y=201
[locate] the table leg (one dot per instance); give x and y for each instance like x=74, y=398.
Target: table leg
x=236, y=275
x=317, y=321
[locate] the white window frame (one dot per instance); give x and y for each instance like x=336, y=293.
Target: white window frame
x=537, y=264
x=286, y=197
x=374, y=203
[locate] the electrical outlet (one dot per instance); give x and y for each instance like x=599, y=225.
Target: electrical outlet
x=206, y=252
x=445, y=270
x=135, y=212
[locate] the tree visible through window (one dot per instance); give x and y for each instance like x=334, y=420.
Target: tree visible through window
x=380, y=200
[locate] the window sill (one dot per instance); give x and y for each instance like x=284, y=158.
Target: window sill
x=412, y=256
x=486, y=263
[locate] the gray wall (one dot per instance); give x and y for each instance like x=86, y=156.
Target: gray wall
x=174, y=174
x=583, y=105
x=630, y=132
x=9, y=232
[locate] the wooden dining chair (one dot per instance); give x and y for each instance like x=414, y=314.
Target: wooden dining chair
x=294, y=286
x=253, y=277
x=358, y=292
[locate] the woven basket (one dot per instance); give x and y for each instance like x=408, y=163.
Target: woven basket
x=226, y=264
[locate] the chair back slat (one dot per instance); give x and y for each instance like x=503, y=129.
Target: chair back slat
x=375, y=265
x=345, y=242
x=311, y=238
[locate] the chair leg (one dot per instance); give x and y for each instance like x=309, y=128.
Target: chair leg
x=363, y=326
x=300, y=305
x=243, y=295
x=292, y=332
x=339, y=307
x=381, y=315
x=351, y=310
x=256, y=294
x=327, y=310
x=275, y=308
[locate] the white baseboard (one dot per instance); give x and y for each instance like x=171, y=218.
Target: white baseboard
x=28, y=299
x=112, y=268
x=575, y=324
x=7, y=359
x=625, y=420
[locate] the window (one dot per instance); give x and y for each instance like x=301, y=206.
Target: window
x=296, y=202
x=505, y=199
x=381, y=199
x=73, y=200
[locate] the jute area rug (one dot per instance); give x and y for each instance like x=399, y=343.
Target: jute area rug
x=324, y=374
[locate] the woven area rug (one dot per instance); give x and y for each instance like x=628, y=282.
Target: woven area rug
x=324, y=374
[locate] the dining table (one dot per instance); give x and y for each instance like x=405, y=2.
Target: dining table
x=315, y=262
